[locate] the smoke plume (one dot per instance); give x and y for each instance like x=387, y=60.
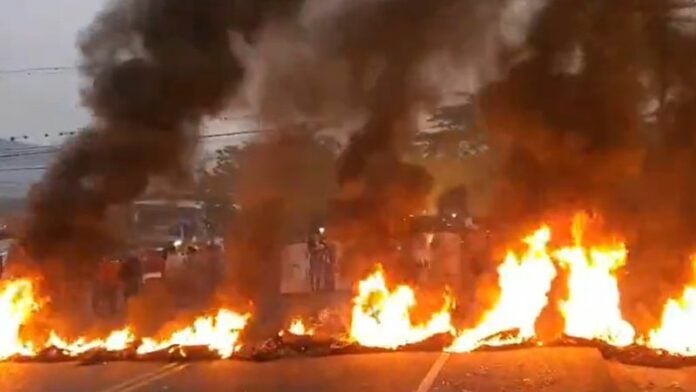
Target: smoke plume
x=370, y=64
x=153, y=70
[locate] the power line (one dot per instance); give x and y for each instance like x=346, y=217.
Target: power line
x=31, y=153
x=25, y=148
x=237, y=133
x=25, y=138
x=30, y=70
x=52, y=150
x=15, y=169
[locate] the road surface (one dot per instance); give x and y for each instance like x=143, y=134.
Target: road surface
x=536, y=370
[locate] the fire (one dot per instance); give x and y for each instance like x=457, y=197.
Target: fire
x=220, y=333
x=382, y=317
x=524, y=285
x=592, y=309
x=116, y=341
x=17, y=303
x=676, y=333
x=298, y=328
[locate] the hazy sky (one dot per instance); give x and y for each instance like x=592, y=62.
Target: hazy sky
x=43, y=33
x=36, y=34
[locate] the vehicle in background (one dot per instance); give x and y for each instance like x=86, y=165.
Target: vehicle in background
x=166, y=228
x=177, y=222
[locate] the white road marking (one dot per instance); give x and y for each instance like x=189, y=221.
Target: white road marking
x=144, y=379
x=429, y=379
x=158, y=376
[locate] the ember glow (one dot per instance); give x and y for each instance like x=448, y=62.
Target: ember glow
x=677, y=332
x=524, y=285
x=17, y=304
x=593, y=307
x=220, y=333
x=382, y=317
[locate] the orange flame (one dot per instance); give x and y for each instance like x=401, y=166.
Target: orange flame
x=17, y=304
x=116, y=341
x=220, y=333
x=524, y=285
x=592, y=309
x=677, y=332
x=382, y=317
x=298, y=328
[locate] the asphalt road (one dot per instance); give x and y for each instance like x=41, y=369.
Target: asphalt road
x=537, y=370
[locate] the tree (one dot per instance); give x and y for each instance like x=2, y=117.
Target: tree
x=455, y=133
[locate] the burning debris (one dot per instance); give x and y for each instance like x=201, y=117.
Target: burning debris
x=593, y=307
x=524, y=285
x=116, y=341
x=17, y=304
x=675, y=335
x=382, y=318
x=297, y=327
x=218, y=333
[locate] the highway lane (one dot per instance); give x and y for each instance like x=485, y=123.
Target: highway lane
x=65, y=377
x=537, y=370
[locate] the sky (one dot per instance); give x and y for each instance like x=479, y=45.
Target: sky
x=40, y=34
x=43, y=34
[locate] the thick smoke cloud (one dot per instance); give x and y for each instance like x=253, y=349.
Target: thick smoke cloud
x=369, y=63
x=154, y=69
x=591, y=108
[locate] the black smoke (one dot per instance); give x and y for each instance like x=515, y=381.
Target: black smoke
x=364, y=62
x=153, y=70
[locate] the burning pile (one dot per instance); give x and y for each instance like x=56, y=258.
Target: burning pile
x=676, y=333
x=591, y=309
x=297, y=327
x=383, y=316
x=16, y=306
x=524, y=284
x=218, y=333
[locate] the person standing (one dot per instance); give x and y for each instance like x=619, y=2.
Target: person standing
x=131, y=276
x=107, y=288
x=329, y=259
x=316, y=263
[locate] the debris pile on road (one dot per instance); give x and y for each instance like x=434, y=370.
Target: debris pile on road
x=386, y=317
